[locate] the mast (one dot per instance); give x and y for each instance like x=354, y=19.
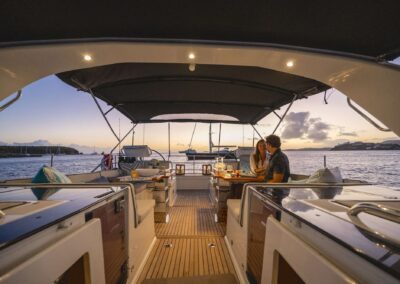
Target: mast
x=191, y=139
x=219, y=136
x=119, y=135
x=169, y=141
x=210, y=140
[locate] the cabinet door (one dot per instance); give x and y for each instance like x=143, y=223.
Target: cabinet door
x=112, y=216
x=260, y=210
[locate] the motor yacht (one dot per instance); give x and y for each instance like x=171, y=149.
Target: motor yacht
x=150, y=220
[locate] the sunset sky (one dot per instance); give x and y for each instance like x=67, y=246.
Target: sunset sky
x=51, y=110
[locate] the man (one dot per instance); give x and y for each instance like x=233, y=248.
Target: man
x=278, y=170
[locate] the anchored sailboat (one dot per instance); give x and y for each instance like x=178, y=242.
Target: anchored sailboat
x=189, y=149
x=225, y=152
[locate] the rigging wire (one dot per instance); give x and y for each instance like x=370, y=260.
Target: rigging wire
x=133, y=137
x=119, y=135
x=144, y=129
x=243, y=135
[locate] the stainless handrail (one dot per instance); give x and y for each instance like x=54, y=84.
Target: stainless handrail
x=286, y=185
x=376, y=210
x=17, y=97
x=303, y=185
x=363, y=115
x=379, y=211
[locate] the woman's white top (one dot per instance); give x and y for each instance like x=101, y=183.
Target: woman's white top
x=260, y=165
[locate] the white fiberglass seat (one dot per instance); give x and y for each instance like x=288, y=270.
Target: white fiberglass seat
x=236, y=233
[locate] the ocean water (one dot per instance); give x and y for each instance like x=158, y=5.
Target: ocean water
x=381, y=167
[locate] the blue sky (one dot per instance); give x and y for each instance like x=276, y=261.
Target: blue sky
x=51, y=110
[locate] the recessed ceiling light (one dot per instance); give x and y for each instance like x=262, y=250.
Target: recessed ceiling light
x=191, y=55
x=87, y=57
x=290, y=63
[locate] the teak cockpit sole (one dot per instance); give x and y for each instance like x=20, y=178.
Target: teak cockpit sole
x=191, y=244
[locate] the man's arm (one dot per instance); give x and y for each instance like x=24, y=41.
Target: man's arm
x=278, y=171
x=276, y=178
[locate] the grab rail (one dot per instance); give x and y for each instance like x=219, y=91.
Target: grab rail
x=17, y=97
x=376, y=210
x=287, y=185
x=379, y=211
x=363, y=115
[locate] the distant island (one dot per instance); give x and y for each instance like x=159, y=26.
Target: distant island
x=365, y=146
x=309, y=149
x=355, y=146
x=35, y=151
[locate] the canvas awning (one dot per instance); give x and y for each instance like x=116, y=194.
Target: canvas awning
x=148, y=92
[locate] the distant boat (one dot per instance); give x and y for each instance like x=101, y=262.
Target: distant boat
x=190, y=151
x=94, y=152
x=192, y=154
x=225, y=153
x=33, y=155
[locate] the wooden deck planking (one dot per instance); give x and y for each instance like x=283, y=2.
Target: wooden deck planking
x=193, y=198
x=192, y=216
x=188, y=257
x=190, y=231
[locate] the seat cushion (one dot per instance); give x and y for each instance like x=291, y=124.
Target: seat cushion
x=144, y=208
x=234, y=208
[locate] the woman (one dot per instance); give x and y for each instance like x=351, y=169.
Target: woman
x=258, y=160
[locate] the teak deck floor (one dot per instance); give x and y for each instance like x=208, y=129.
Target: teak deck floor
x=191, y=244
x=191, y=216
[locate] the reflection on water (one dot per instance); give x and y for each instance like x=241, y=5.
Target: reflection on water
x=373, y=166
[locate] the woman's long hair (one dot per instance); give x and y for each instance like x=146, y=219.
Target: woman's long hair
x=257, y=154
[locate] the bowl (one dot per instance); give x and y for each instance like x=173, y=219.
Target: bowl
x=147, y=172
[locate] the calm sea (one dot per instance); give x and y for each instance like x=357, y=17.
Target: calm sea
x=380, y=167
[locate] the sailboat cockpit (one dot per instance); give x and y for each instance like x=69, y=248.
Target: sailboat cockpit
x=148, y=220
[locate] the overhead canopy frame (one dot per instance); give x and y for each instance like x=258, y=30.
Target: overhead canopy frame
x=143, y=91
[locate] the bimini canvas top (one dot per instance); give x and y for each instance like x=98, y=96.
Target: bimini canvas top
x=159, y=92
x=367, y=28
